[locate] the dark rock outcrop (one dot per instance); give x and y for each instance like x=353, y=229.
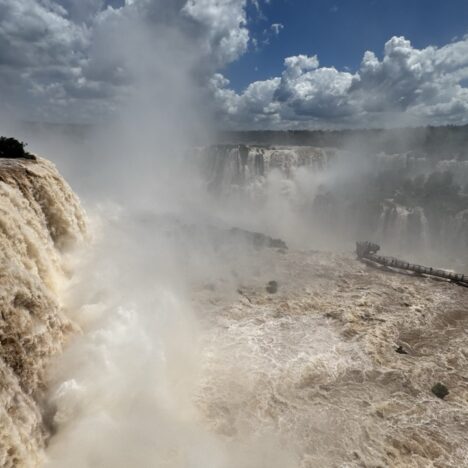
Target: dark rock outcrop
x=272, y=287
x=440, y=390
x=260, y=240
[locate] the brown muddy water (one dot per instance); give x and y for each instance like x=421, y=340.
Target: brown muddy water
x=316, y=364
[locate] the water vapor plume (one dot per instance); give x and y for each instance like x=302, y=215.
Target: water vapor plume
x=123, y=392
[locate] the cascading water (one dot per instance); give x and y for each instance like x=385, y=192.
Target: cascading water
x=334, y=197
x=226, y=166
x=41, y=220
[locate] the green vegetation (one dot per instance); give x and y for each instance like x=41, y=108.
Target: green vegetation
x=12, y=148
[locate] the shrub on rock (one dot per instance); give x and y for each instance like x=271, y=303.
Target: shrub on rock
x=13, y=149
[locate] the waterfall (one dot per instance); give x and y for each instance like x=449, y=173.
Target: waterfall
x=41, y=219
x=227, y=167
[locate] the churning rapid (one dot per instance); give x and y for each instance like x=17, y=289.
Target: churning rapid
x=183, y=337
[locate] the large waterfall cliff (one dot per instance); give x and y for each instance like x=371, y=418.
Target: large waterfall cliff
x=325, y=197
x=40, y=221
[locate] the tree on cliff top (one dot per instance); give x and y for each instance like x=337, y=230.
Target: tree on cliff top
x=12, y=148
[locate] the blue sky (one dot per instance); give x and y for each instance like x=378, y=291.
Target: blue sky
x=380, y=62
x=340, y=31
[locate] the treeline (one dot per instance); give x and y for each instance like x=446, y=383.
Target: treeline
x=440, y=142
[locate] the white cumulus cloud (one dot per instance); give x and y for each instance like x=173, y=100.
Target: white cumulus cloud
x=407, y=86
x=74, y=60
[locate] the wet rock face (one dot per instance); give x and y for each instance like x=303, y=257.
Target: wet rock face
x=258, y=239
x=259, y=164
x=401, y=350
x=40, y=217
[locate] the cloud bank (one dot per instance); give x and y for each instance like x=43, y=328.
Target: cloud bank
x=68, y=61
x=408, y=86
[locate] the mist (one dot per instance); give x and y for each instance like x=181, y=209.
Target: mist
x=124, y=391
x=220, y=317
